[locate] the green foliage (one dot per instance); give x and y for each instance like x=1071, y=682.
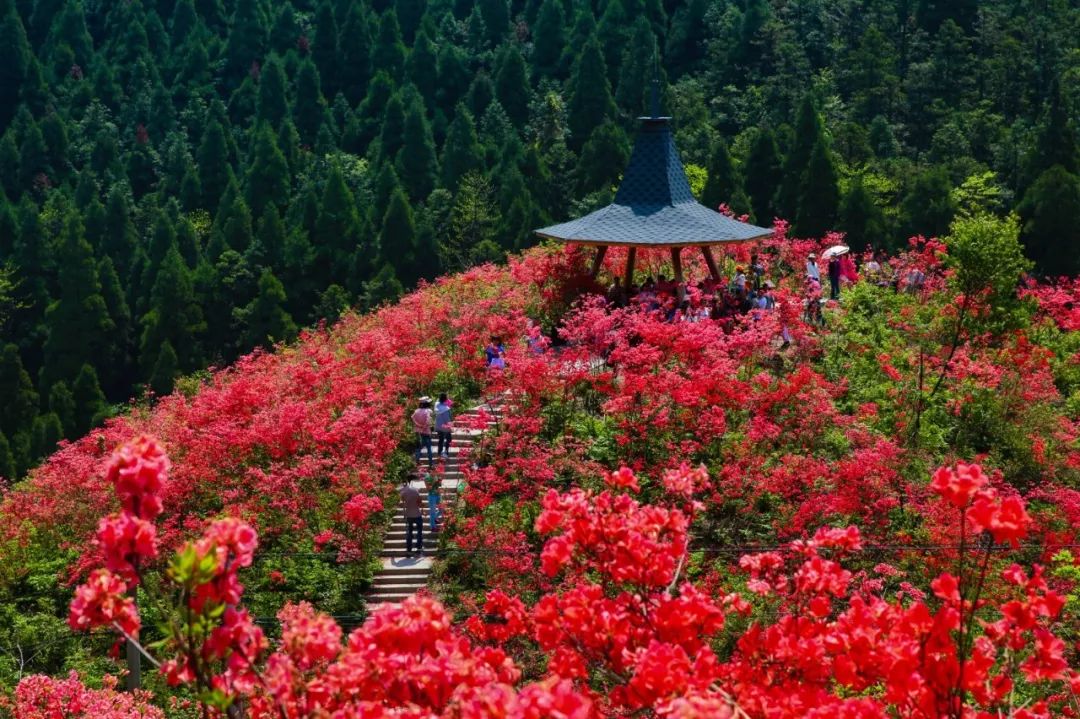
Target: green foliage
x=987, y=261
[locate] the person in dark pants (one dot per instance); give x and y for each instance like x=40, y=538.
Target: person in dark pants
x=414, y=519
x=422, y=421
x=442, y=425
x=834, y=277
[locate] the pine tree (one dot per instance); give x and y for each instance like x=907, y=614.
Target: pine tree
x=603, y=158
x=62, y=404
x=47, y=433
x=512, y=85
x=397, y=239
x=8, y=471
x=337, y=228
x=409, y=13
x=33, y=158
x=270, y=237
x=184, y=20
x=550, y=29
x=174, y=316
x=928, y=207
x=273, y=105
x=384, y=287
x=69, y=42
x=325, y=51
x=686, y=41
x=333, y=302
x=861, y=219
x=392, y=131
x=15, y=58
x=472, y=221
x=613, y=31
x=268, y=173
x=809, y=131
x=723, y=184
x=1051, y=214
x=18, y=398
x=819, y=194
x=120, y=236
x=114, y=369
x=636, y=72
x=417, y=166
x=165, y=371
x=267, y=320
x=763, y=176
x=388, y=52
x=356, y=53
x=496, y=15
x=461, y=151
x=79, y=328
x=422, y=68
x=309, y=109
x=590, y=95
x=454, y=77
x=215, y=169
x=481, y=94
x=1057, y=143
x=247, y=41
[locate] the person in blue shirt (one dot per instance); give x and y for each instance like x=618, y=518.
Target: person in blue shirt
x=442, y=425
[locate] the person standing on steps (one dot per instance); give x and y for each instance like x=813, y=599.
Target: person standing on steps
x=433, y=498
x=421, y=420
x=442, y=425
x=414, y=518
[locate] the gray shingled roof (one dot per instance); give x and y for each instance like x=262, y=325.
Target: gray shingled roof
x=654, y=205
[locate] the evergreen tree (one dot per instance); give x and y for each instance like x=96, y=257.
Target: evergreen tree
x=174, y=316
x=356, y=50
x=633, y=90
x=309, y=109
x=408, y=14
x=270, y=237
x=496, y=15
x=15, y=58
x=481, y=94
x=809, y=132
x=33, y=158
x=928, y=207
x=273, y=104
x=392, y=129
x=114, y=369
x=267, y=320
x=819, y=194
x=590, y=95
x=416, y=164
x=62, y=404
x=90, y=405
x=247, y=42
x=268, y=173
x=512, y=85
x=337, y=228
x=165, y=371
x=215, y=169
x=325, y=51
x=722, y=185
x=422, y=69
x=472, y=221
x=388, y=52
x=79, y=328
x=1051, y=214
x=686, y=41
x=47, y=433
x=383, y=288
x=763, y=176
x=18, y=398
x=550, y=27
x=8, y=471
x=118, y=242
x=454, y=77
x=861, y=220
x=461, y=151
x=1056, y=144
x=333, y=302
x=397, y=239
x=603, y=158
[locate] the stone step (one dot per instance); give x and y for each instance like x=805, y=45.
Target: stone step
x=405, y=566
x=400, y=553
x=403, y=574
x=429, y=542
x=388, y=598
x=396, y=588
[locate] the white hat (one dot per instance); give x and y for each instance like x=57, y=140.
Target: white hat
x=425, y=400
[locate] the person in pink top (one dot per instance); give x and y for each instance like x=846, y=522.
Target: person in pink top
x=847, y=269
x=421, y=421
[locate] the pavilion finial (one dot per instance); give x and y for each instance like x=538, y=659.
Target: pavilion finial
x=655, y=95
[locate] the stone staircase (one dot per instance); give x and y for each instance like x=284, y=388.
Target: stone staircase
x=400, y=576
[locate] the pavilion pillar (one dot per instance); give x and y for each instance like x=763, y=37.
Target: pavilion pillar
x=710, y=262
x=598, y=261
x=631, y=256
x=676, y=263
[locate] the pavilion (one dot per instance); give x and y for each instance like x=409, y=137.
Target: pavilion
x=654, y=208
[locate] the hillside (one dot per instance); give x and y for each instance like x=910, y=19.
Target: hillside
x=683, y=518
x=185, y=181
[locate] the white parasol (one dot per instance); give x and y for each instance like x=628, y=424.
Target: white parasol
x=835, y=251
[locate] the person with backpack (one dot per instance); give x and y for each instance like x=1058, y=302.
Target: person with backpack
x=414, y=518
x=421, y=421
x=442, y=426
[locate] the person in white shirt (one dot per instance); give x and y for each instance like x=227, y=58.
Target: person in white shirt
x=442, y=425
x=812, y=271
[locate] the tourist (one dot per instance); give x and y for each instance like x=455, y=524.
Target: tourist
x=813, y=274
x=738, y=285
x=414, y=518
x=847, y=269
x=421, y=420
x=834, y=278
x=442, y=425
x=433, y=498
x=494, y=349
x=757, y=272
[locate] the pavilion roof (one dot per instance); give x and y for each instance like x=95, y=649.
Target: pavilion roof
x=654, y=206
